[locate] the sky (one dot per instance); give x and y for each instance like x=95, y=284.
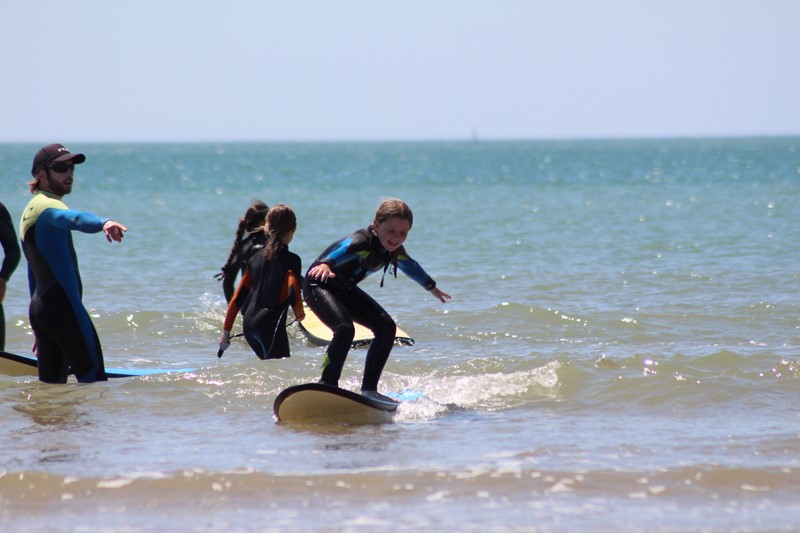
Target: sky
x=375, y=70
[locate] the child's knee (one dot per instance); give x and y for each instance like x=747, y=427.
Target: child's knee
x=345, y=332
x=386, y=326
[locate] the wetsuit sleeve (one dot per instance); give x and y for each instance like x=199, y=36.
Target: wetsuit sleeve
x=68, y=219
x=239, y=296
x=291, y=289
x=414, y=270
x=229, y=283
x=8, y=238
x=291, y=281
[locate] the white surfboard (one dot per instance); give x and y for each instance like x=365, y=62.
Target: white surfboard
x=315, y=402
x=321, y=335
x=24, y=365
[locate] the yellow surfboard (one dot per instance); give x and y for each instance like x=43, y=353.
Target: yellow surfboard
x=321, y=335
x=314, y=402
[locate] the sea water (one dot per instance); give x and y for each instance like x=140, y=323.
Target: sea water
x=621, y=353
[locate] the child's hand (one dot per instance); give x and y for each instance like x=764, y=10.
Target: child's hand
x=322, y=272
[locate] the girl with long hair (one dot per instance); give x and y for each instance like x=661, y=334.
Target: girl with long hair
x=269, y=286
x=250, y=238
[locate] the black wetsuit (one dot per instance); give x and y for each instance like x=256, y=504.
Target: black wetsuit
x=8, y=239
x=248, y=246
x=338, y=301
x=265, y=292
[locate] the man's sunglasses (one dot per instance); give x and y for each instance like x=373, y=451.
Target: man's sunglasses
x=61, y=167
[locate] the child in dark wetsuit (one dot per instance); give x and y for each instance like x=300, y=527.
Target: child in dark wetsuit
x=250, y=238
x=270, y=284
x=331, y=290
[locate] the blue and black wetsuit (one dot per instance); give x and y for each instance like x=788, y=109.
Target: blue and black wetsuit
x=338, y=301
x=265, y=292
x=12, y=255
x=66, y=340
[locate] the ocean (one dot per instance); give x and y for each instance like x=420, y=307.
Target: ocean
x=621, y=353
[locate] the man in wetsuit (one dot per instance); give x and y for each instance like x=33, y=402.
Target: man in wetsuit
x=66, y=340
x=8, y=238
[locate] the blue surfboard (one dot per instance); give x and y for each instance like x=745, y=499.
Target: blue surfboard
x=12, y=364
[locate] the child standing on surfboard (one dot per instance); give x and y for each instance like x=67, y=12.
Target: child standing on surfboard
x=331, y=290
x=270, y=284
